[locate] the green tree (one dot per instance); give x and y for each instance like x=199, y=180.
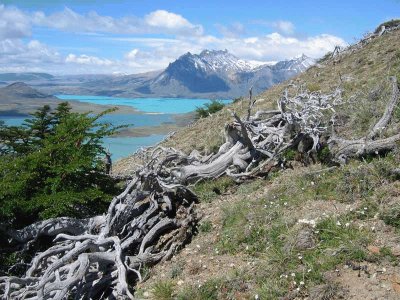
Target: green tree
x=208, y=109
x=40, y=124
x=62, y=174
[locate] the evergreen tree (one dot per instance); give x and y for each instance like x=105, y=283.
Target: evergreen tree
x=62, y=174
x=40, y=124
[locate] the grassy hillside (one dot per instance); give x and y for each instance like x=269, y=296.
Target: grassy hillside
x=310, y=232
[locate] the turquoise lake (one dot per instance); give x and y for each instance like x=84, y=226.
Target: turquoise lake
x=156, y=111
x=154, y=105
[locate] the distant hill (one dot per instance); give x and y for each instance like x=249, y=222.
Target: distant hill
x=20, y=90
x=25, y=76
x=21, y=99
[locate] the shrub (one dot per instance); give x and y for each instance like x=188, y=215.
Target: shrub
x=205, y=226
x=52, y=166
x=208, y=109
x=313, y=87
x=163, y=290
x=289, y=154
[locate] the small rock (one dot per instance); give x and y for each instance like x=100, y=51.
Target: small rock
x=146, y=294
x=396, y=251
x=373, y=249
x=180, y=282
x=305, y=239
x=396, y=287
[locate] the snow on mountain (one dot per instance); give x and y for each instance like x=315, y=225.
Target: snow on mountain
x=218, y=72
x=219, y=61
x=298, y=64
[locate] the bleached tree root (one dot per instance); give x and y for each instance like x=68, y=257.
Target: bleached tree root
x=99, y=258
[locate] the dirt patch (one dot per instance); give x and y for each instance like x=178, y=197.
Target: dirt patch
x=372, y=283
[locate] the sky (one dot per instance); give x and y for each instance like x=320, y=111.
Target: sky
x=135, y=36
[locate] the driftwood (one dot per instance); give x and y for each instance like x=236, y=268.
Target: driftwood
x=102, y=257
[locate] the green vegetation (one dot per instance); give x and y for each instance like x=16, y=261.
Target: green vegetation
x=289, y=154
x=210, y=189
x=209, y=109
x=205, y=226
x=391, y=216
x=266, y=227
x=52, y=166
x=163, y=290
x=215, y=288
x=313, y=87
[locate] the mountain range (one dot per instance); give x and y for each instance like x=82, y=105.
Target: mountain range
x=210, y=74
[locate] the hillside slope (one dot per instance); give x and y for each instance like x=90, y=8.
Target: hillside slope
x=306, y=232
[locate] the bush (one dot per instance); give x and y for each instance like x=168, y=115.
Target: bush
x=313, y=87
x=163, y=290
x=208, y=109
x=52, y=166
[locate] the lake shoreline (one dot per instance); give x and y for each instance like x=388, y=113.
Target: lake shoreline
x=149, y=125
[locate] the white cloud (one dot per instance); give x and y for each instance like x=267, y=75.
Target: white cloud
x=88, y=60
x=13, y=23
x=284, y=27
x=278, y=47
x=159, y=21
x=164, y=19
x=17, y=56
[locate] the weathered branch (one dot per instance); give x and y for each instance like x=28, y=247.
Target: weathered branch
x=343, y=149
x=385, y=119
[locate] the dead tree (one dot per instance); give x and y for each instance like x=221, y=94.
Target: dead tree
x=102, y=257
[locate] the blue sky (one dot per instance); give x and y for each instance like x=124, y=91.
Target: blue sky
x=120, y=36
